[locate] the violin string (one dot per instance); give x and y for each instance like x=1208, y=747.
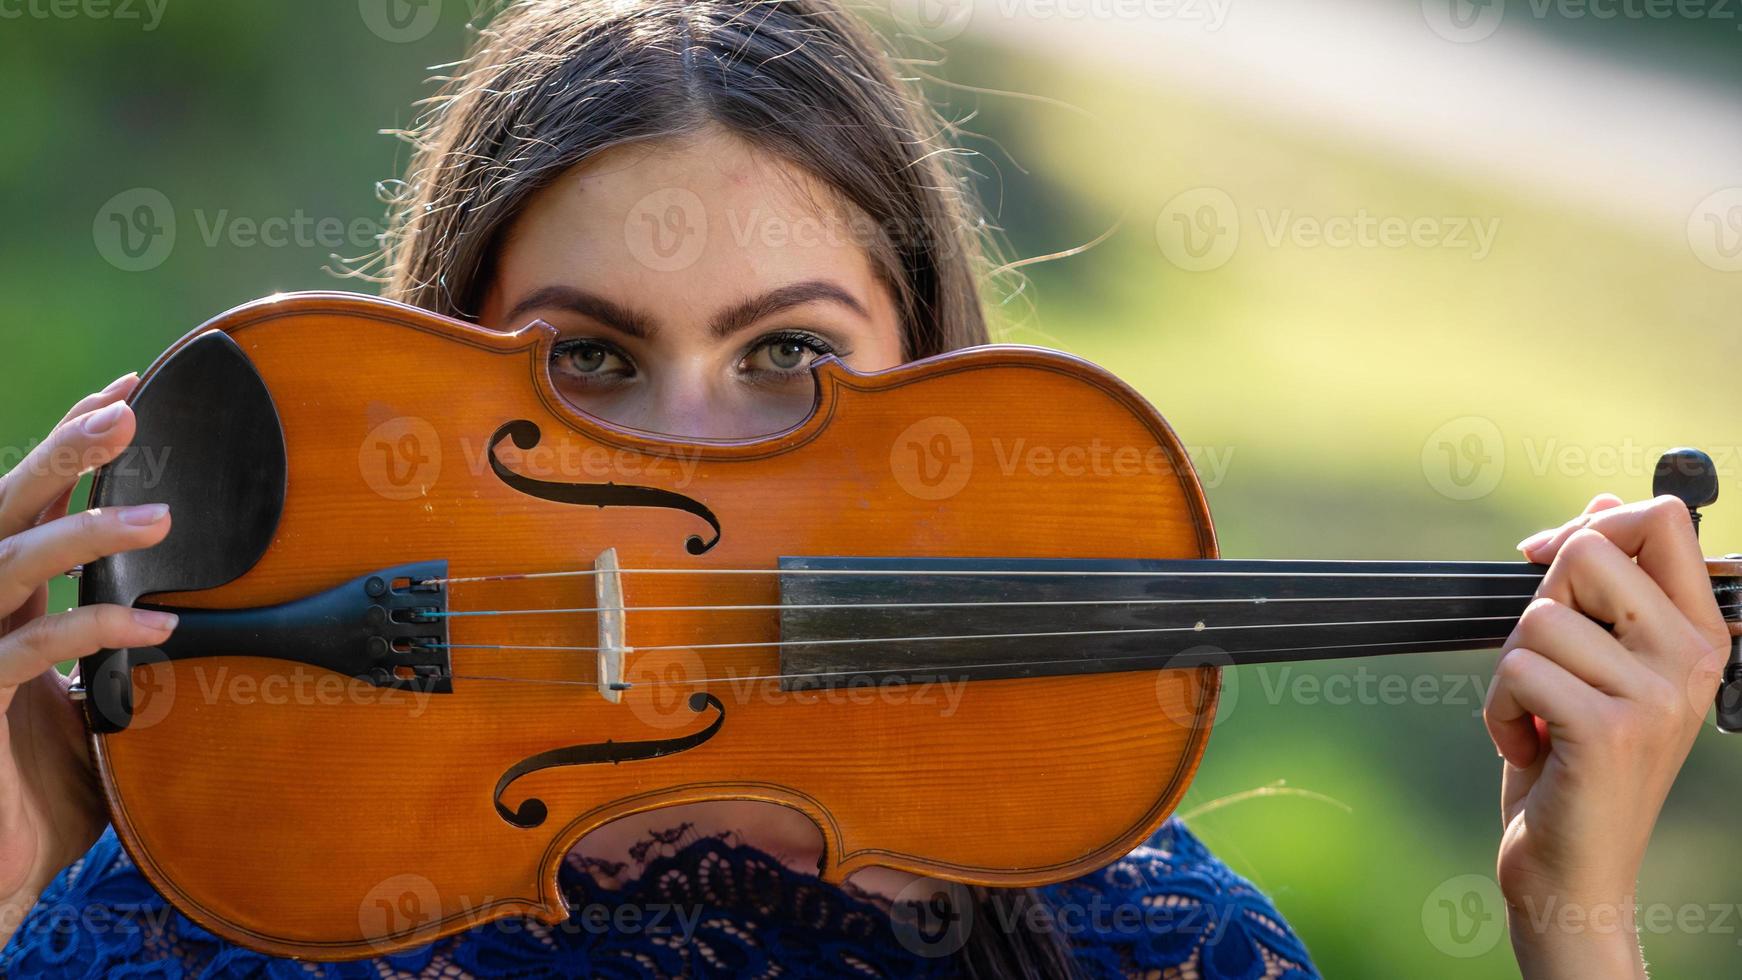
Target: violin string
x=739, y=678
x=743, y=607
x=1195, y=628
x=1044, y=634
x=1726, y=607
x=999, y=573
x=1522, y=572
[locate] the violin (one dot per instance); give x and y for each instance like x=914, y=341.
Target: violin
x=437, y=624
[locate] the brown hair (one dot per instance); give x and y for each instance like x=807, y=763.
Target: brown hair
x=549, y=83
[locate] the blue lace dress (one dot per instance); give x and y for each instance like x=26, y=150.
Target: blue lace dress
x=700, y=907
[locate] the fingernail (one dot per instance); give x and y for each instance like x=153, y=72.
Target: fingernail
x=118, y=382
x=152, y=619
x=1536, y=540
x=104, y=419
x=143, y=515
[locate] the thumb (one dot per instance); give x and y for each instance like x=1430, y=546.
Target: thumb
x=1516, y=783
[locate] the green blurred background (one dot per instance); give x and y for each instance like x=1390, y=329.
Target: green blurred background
x=1546, y=294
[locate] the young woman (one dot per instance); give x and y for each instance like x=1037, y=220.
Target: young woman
x=704, y=198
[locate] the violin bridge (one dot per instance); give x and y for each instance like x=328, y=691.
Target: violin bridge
x=608, y=593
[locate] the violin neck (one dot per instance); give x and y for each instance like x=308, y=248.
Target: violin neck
x=847, y=618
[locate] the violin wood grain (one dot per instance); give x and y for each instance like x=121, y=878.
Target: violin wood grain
x=305, y=814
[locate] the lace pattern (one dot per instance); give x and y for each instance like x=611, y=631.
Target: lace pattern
x=696, y=907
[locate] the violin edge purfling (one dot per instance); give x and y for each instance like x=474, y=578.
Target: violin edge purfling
x=772, y=628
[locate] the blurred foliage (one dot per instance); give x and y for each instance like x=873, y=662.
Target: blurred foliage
x=1313, y=377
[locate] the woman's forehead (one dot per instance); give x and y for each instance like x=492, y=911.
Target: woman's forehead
x=685, y=217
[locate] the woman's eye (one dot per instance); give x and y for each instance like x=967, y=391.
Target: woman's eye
x=589, y=360
x=782, y=355
x=787, y=354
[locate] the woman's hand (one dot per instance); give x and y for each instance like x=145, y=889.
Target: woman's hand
x=51, y=810
x=1595, y=723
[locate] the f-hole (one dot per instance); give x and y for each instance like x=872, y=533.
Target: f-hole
x=526, y=436
x=532, y=812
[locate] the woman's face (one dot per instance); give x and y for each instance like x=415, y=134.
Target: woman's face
x=694, y=282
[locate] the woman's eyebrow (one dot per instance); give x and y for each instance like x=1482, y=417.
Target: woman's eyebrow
x=632, y=322
x=729, y=321
x=735, y=318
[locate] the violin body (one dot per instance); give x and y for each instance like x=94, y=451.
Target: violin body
x=288, y=804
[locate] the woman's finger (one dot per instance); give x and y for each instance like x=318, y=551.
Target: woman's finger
x=1516, y=783
x=35, y=555
x=54, y=466
x=120, y=389
x=1681, y=663
x=1556, y=630
x=116, y=390
x=42, y=643
x=1591, y=575
x=1660, y=535
x=1527, y=686
x=1599, y=503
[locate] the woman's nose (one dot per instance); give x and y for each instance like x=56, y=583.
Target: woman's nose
x=685, y=408
x=695, y=409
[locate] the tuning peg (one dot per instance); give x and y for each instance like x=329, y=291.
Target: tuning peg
x=1729, y=698
x=1687, y=474
x=1691, y=476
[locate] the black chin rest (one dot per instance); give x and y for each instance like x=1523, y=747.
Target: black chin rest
x=210, y=446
